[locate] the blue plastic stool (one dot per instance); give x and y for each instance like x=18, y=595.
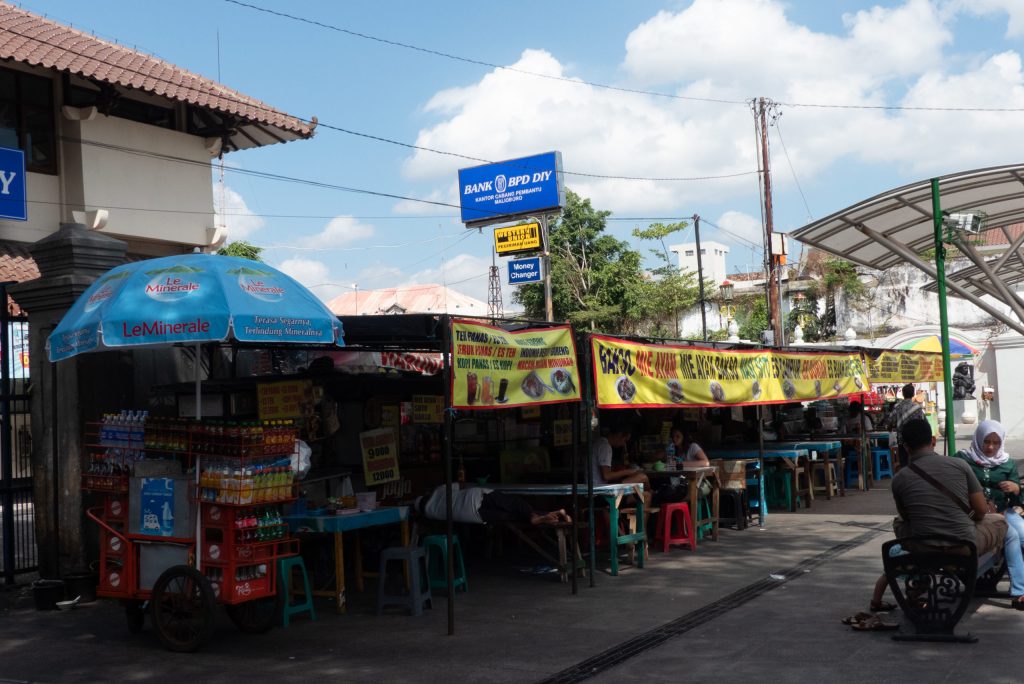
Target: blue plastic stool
x=284, y=579
x=704, y=506
x=415, y=558
x=436, y=547
x=852, y=468
x=882, y=460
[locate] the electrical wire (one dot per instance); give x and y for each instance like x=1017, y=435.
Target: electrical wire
x=778, y=130
x=604, y=86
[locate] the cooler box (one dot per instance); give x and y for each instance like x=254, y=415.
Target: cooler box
x=161, y=506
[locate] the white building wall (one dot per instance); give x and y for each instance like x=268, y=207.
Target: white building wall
x=712, y=260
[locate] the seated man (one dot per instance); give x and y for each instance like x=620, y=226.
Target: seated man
x=606, y=473
x=479, y=505
x=959, y=512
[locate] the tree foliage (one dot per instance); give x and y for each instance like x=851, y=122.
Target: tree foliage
x=594, y=276
x=243, y=249
x=668, y=291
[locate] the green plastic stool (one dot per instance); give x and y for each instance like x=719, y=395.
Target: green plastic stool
x=705, y=512
x=436, y=546
x=284, y=575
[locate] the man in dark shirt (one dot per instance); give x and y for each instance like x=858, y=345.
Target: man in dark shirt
x=929, y=511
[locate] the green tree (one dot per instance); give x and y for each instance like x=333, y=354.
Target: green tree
x=668, y=291
x=833, y=276
x=751, y=316
x=596, y=279
x=243, y=249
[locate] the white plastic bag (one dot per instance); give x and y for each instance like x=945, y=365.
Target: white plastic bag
x=301, y=459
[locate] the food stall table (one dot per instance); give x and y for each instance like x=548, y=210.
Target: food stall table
x=349, y=522
x=612, y=494
x=695, y=475
x=788, y=458
x=830, y=450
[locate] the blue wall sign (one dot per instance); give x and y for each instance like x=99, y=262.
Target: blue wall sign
x=13, y=200
x=157, y=509
x=511, y=188
x=522, y=271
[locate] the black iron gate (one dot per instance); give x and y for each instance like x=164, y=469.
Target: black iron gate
x=17, y=513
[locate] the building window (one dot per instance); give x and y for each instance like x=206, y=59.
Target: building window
x=27, y=119
x=689, y=252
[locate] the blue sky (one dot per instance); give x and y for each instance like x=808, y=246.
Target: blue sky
x=948, y=53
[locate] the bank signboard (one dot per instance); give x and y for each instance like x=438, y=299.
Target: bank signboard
x=13, y=199
x=511, y=188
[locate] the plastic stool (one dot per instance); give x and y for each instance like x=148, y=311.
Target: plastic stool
x=704, y=508
x=882, y=460
x=436, y=547
x=673, y=526
x=412, y=557
x=284, y=574
x=738, y=500
x=852, y=468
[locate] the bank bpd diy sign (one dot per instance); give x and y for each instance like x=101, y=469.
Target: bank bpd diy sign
x=510, y=188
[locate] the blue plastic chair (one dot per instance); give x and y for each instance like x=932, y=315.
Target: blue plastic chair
x=285, y=566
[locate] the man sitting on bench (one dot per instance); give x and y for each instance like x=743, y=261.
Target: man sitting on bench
x=940, y=495
x=479, y=505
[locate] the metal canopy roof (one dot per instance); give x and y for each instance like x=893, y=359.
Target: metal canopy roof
x=905, y=214
x=897, y=226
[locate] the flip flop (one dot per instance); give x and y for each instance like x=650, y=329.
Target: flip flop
x=882, y=607
x=859, y=617
x=874, y=624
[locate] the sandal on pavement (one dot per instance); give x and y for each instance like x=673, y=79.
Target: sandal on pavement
x=874, y=624
x=1018, y=603
x=885, y=607
x=859, y=617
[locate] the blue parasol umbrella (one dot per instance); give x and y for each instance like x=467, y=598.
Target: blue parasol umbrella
x=192, y=298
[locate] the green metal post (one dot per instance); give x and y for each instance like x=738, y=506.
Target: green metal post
x=940, y=271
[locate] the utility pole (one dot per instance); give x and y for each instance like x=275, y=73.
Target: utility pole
x=774, y=313
x=700, y=280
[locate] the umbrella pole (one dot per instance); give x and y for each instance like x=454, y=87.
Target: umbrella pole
x=199, y=498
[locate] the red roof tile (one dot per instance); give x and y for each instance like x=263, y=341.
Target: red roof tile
x=16, y=265
x=31, y=39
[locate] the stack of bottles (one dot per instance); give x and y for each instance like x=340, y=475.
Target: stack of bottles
x=234, y=481
x=244, y=439
x=260, y=525
x=121, y=443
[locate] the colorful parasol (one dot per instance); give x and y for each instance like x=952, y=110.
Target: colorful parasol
x=958, y=348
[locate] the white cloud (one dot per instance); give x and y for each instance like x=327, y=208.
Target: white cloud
x=239, y=219
x=1014, y=9
x=738, y=229
x=718, y=49
x=465, y=273
x=315, y=275
x=340, y=231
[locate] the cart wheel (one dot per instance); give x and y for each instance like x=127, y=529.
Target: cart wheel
x=254, y=617
x=135, y=612
x=181, y=608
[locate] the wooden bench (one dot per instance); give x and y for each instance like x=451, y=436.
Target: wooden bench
x=934, y=579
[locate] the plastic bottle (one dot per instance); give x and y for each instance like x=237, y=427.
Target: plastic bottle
x=245, y=490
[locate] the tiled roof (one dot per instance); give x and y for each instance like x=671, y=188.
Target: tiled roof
x=31, y=39
x=740, y=277
x=411, y=299
x=16, y=265
x=996, y=238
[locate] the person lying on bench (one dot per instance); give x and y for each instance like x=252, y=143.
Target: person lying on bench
x=1000, y=485
x=479, y=505
x=947, y=499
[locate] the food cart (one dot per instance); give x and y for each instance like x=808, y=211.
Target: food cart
x=190, y=513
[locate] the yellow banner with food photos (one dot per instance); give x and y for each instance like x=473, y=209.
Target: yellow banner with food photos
x=900, y=367
x=637, y=375
x=492, y=367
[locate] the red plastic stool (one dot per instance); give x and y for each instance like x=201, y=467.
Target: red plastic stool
x=680, y=533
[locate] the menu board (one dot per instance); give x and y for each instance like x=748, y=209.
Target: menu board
x=427, y=409
x=633, y=374
x=290, y=399
x=492, y=367
x=900, y=367
x=561, y=433
x=380, y=456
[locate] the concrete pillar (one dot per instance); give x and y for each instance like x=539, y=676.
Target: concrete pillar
x=69, y=260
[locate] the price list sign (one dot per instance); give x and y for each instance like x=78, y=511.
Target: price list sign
x=380, y=456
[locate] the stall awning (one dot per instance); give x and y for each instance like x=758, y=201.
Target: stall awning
x=897, y=227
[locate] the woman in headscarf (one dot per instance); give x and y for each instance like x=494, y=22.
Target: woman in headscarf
x=1000, y=483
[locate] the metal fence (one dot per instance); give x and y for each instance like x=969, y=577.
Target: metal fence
x=17, y=512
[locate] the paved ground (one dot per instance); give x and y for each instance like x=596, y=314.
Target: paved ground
x=758, y=605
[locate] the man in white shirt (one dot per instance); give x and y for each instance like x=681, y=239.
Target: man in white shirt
x=479, y=505
x=601, y=462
